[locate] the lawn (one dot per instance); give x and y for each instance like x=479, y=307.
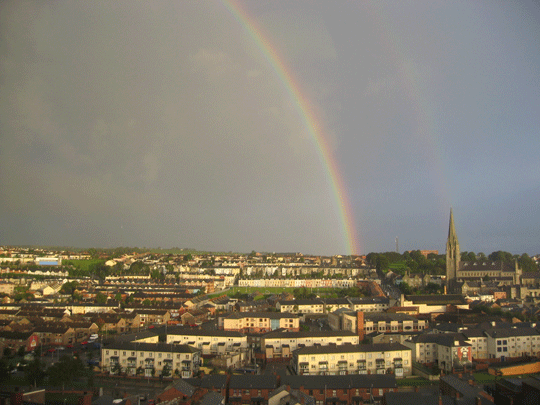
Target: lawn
x=485, y=378
x=84, y=265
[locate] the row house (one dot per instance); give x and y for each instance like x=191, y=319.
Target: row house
x=7, y=288
x=194, y=315
x=507, y=343
x=211, y=383
x=84, y=308
x=251, y=389
x=55, y=335
x=213, y=342
x=301, y=306
x=252, y=306
x=151, y=359
x=108, y=322
x=497, y=342
x=153, y=316
x=448, y=350
x=15, y=340
x=82, y=329
x=379, y=322
x=351, y=389
x=132, y=320
x=259, y=322
x=379, y=358
x=370, y=304
x=279, y=345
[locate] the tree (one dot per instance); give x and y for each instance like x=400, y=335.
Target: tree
x=4, y=371
x=500, y=256
x=116, y=369
x=526, y=263
x=382, y=263
x=65, y=370
x=166, y=372
x=34, y=373
x=101, y=298
x=405, y=288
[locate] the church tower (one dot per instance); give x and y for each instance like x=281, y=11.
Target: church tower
x=453, y=256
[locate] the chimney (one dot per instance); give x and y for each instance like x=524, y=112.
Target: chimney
x=416, y=389
x=478, y=401
x=360, y=325
x=440, y=399
x=471, y=383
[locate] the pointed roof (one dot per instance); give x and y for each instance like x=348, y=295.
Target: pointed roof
x=452, y=235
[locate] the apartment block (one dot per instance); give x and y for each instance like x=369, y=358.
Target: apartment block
x=151, y=359
x=279, y=345
x=214, y=342
x=353, y=359
x=259, y=322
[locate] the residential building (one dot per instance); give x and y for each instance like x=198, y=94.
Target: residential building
x=353, y=359
x=259, y=322
x=342, y=389
x=211, y=342
x=251, y=389
x=151, y=359
x=279, y=345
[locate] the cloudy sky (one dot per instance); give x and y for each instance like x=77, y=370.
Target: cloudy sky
x=167, y=124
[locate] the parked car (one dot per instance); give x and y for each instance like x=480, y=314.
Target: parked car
x=84, y=343
x=70, y=346
x=60, y=348
x=51, y=350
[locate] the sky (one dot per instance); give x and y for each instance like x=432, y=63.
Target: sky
x=277, y=126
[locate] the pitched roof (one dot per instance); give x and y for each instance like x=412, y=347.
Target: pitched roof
x=253, y=381
x=340, y=381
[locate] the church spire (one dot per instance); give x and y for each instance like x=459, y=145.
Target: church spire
x=452, y=235
x=453, y=256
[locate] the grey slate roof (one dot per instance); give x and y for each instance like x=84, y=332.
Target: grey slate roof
x=340, y=381
x=212, y=398
x=376, y=347
x=253, y=381
x=184, y=387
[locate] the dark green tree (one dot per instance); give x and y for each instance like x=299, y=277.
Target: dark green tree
x=101, y=298
x=4, y=371
x=527, y=264
x=34, y=373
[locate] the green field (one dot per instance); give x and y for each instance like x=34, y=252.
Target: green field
x=84, y=265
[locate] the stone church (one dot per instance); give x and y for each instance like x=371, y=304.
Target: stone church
x=458, y=273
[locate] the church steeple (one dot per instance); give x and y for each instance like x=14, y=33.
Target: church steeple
x=453, y=256
x=452, y=235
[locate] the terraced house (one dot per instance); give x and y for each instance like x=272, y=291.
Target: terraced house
x=213, y=342
x=259, y=322
x=151, y=359
x=507, y=343
x=279, y=345
x=353, y=359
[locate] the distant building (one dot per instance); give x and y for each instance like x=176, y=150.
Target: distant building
x=458, y=272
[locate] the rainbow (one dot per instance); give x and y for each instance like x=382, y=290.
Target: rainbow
x=333, y=175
